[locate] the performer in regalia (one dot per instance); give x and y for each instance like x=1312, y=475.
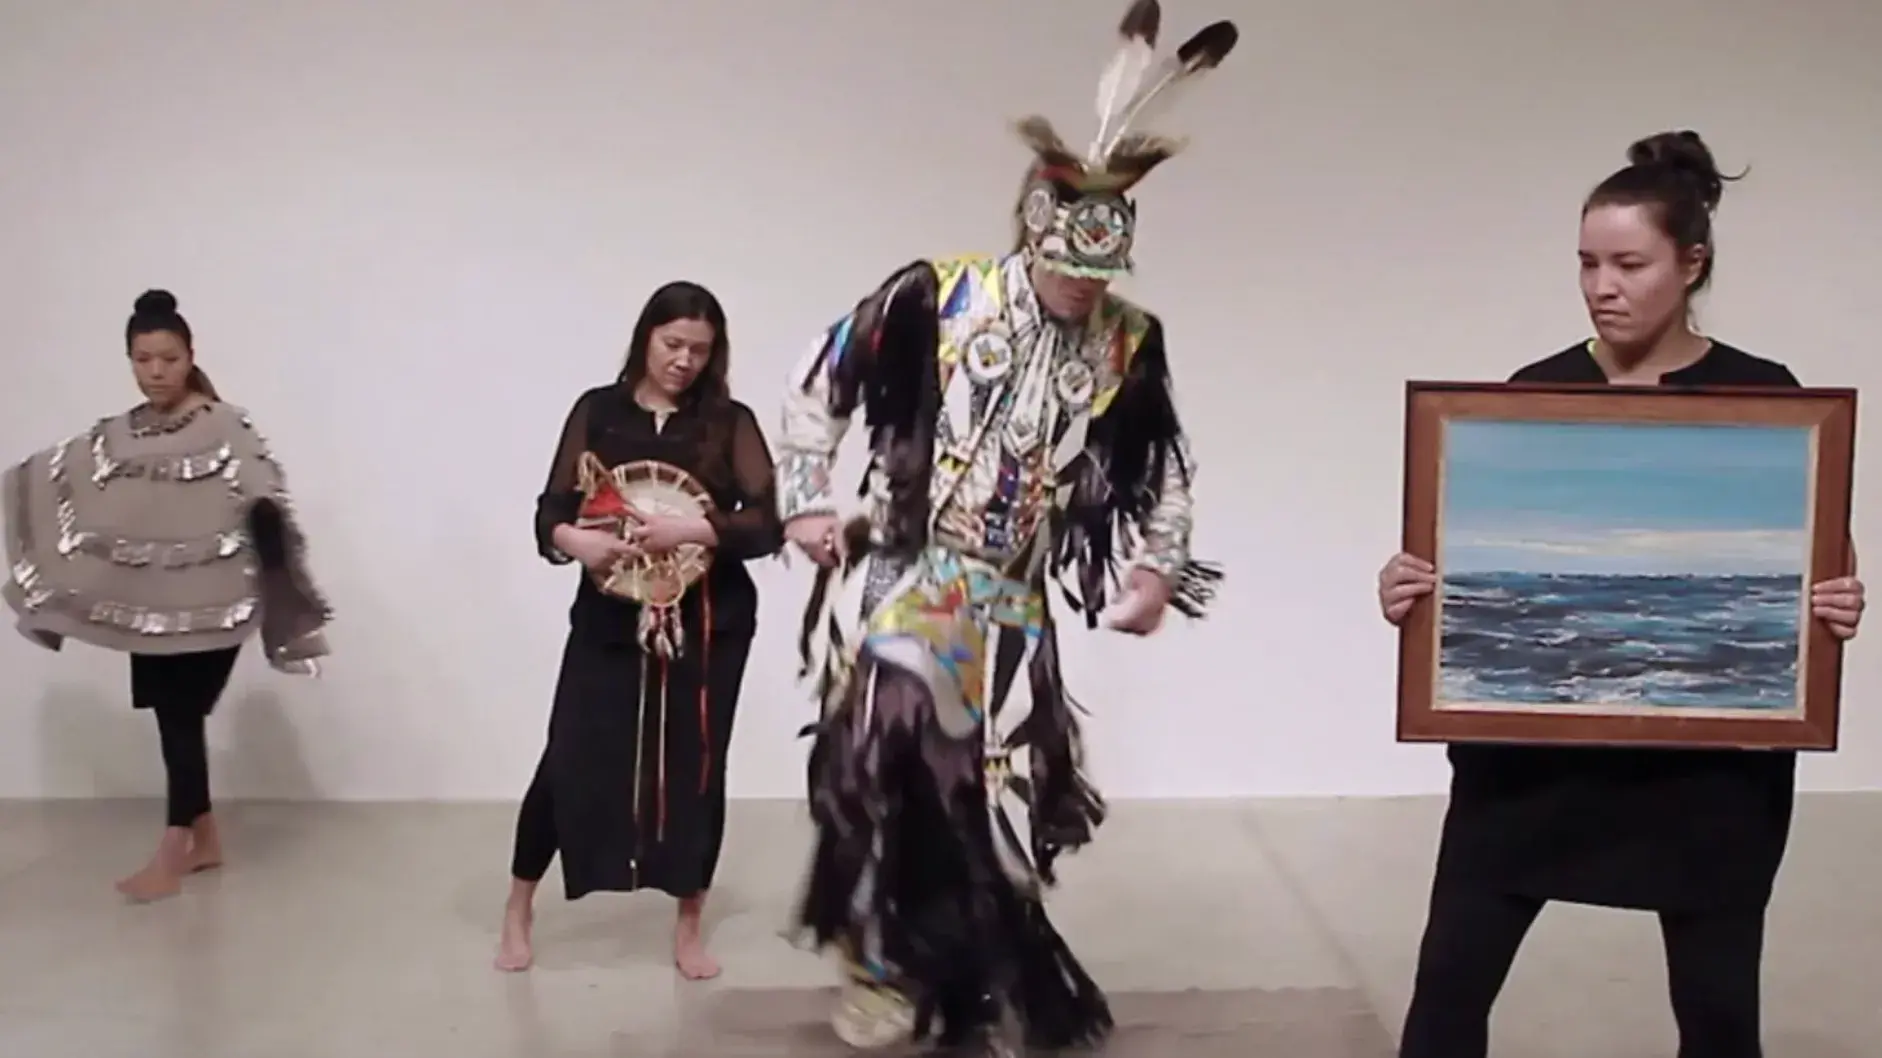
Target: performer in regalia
x=1022, y=430
x=165, y=533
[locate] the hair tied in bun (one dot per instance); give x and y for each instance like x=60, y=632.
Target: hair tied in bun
x=1684, y=154
x=155, y=303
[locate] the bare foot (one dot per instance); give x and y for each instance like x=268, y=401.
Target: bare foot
x=514, y=952
x=155, y=882
x=205, y=846
x=163, y=875
x=689, y=944
x=691, y=956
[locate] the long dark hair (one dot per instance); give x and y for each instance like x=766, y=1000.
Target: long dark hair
x=155, y=312
x=683, y=300
x=1675, y=177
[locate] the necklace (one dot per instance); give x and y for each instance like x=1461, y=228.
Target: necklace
x=147, y=421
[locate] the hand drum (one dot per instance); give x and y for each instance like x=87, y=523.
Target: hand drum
x=613, y=499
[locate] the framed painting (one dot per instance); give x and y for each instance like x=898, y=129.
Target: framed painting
x=1624, y=566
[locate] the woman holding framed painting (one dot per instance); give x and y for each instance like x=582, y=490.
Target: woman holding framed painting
x=1695, y=835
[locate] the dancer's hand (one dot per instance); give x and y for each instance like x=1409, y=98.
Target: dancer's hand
x=817, y=536
x=1140, y=611
x=1404, y=580
x=596, y=550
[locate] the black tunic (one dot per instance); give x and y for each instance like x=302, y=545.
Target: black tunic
x=1651, y=829
x=636, y=757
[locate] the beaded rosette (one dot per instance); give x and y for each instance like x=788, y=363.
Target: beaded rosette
x=615, y=499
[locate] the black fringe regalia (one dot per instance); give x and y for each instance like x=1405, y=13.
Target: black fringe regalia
x=907, y=877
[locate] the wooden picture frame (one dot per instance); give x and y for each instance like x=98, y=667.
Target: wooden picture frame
x=1625, y=565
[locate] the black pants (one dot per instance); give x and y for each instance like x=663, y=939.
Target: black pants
x=535, y=831
x=1713, y=960
x=182, y=689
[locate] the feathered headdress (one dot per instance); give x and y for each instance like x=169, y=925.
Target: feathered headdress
x=1136, y=88
x=1074, y=215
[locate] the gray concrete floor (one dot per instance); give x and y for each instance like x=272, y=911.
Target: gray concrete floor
x=1240, y=928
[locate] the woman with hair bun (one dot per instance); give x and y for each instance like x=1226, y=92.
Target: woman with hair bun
x=1694, y=835
x=165, y=533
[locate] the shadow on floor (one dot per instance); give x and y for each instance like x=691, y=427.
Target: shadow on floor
x=1321, y=1022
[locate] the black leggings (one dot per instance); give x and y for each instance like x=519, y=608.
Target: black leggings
x=1713, y=961
x=182, y=689
x=536, y=841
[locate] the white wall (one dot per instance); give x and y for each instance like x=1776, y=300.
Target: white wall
x=409, y=232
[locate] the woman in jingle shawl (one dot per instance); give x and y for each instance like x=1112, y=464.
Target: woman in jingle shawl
x=164, y=533
x=631, y=786
x=1022, y=429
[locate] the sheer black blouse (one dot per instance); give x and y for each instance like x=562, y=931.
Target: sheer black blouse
x=719, y=443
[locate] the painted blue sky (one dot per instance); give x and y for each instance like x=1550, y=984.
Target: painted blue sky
x=1625, y=498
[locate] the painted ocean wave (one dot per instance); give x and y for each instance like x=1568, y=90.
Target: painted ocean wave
x=1681, y=641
